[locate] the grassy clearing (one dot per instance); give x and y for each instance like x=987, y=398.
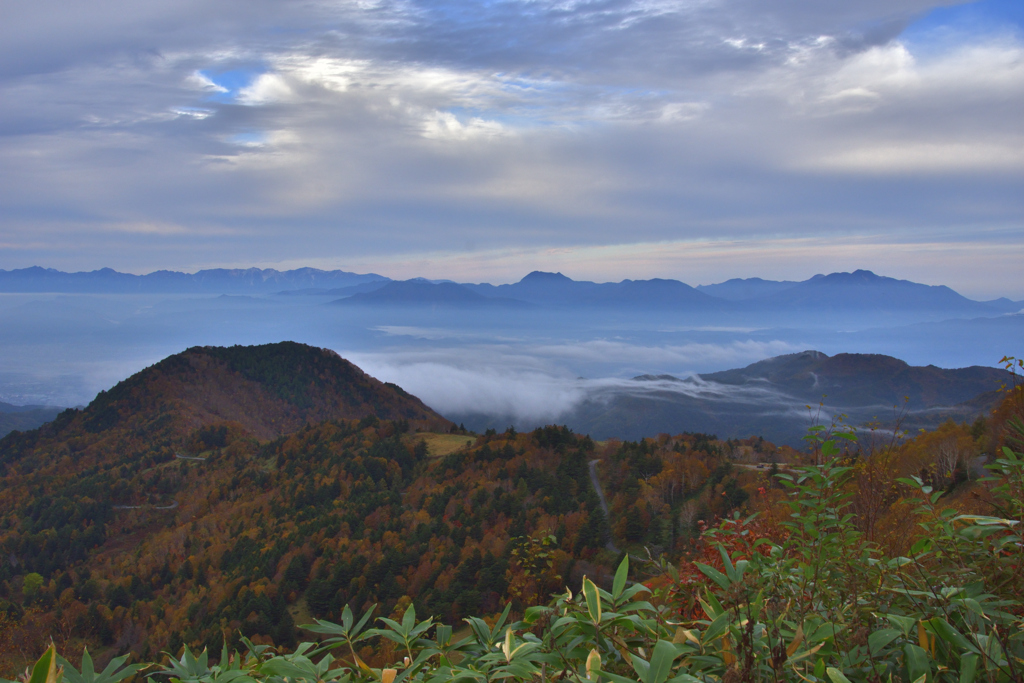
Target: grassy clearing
x=440, y=445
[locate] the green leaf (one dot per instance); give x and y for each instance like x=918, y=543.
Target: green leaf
x=917, y=662
x=905, y=624
x=533, y=614
x=642, y=668
x=718, y=577
x=615, y=678
x=715, y=604
x=716, y=628
x=836, y=675
x=661, y=661
x=685, y=678
x=944, y=630
x=45, y=669
x=968, y=668
x=593, y=598
x=727, y=563
x=409, y=618
x=881, y=638
x=620, y=577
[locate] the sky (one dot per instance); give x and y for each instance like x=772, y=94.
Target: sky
x=478, y=140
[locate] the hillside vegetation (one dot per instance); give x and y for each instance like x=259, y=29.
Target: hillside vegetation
x=864, y=562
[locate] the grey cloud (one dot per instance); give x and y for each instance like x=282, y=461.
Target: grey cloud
x=534, y=382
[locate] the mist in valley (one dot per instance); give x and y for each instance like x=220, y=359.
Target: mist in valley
x=495, y=367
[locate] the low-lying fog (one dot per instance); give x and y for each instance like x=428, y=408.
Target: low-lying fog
x=492, y=368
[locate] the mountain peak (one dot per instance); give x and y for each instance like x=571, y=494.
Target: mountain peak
x=859, y=276
x=539, y=276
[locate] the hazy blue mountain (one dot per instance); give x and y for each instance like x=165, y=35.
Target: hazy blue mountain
x=862, y=289
x=23, y=418
x=859, y=380
x=1005, y=305
x=770, y=398
x=420, y=292
x=555, y=289
x=656, y=293
x=738, y=289
x=337, y=291
x=218, y=280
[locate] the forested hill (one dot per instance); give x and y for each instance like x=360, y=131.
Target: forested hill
x=244, y=490
x=207, y=497
x=207, y=395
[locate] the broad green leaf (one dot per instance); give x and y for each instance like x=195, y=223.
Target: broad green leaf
x=718, y=577
x=881, y=638
x=642, y=668
x=409, y=618
x=917, y=661
x=45, y=669
x=719, y=626
x=968, y=668
x=661, y=661
x=593, y=600
x=713, y=601
x=730, y=571
x=533, y=614
x=836, y=675
x=905, y=624
x=620, y=577
x=615, y=678
x=685, y=678
x=944, y=630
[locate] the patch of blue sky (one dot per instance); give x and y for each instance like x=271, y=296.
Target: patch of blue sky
x=522, y=85
x=516, y=118
x=233, y=82
x=252, y=138
x=946, y=27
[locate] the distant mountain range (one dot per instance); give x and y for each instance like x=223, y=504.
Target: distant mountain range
x=779, y=398
x=214, y=281
x=859, y=290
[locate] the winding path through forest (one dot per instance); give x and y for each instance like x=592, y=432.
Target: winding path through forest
x=592, y=466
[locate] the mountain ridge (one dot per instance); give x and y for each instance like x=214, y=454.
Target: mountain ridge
x=859, y=289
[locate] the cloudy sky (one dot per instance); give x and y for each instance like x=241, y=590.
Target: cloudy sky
x=482, y=139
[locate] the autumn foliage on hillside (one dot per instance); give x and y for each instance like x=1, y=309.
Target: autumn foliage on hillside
x=342, y=512
x=171, y=527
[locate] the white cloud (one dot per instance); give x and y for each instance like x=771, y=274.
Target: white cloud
x=200, y=81
x=268, y=88
x=682, y=111
x=535, y=382
x=928, y=158
x=443, y=125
